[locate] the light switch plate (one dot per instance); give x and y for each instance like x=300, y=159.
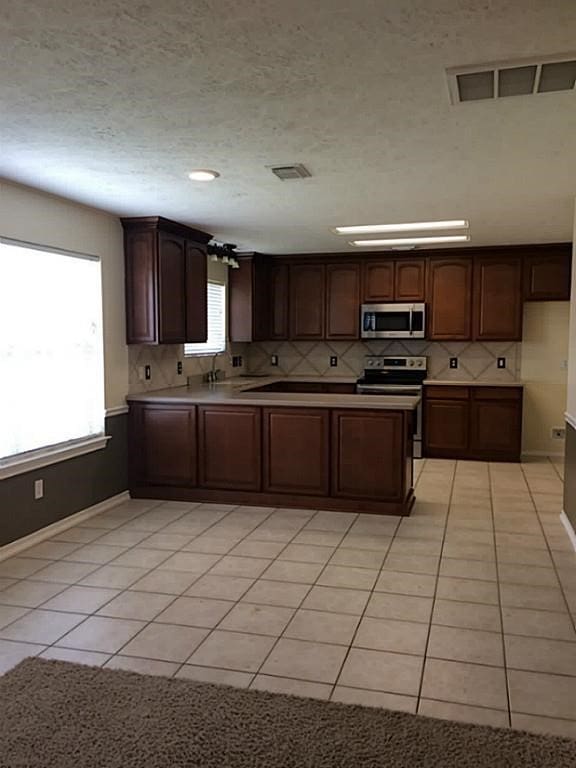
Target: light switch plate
x=453, y=362
x=501, y=362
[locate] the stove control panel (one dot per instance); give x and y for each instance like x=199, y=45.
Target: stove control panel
x=383, y=363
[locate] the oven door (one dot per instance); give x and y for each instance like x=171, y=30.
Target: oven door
x=392, y=321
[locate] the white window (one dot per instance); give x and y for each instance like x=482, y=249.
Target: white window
x=216, y=324
x=51, y=356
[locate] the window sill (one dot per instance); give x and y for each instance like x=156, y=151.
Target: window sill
x=53, y=455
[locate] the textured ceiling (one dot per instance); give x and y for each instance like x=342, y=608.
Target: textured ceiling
x=111, y=102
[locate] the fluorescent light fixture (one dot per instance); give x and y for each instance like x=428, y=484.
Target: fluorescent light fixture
x=368, y=229
x=202, y=174
x=411, y=241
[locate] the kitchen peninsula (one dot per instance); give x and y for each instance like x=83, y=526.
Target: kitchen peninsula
x=299, y=443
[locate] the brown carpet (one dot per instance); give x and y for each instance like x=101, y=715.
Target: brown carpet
x=56, y=714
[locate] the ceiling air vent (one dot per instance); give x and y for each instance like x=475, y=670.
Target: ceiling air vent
x=289, y=172
x=512, y=78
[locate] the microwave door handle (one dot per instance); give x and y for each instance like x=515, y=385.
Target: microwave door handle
x=411, y=314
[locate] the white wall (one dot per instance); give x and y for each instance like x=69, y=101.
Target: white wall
x=571, y=407
x=32, y=215
x=544, y=349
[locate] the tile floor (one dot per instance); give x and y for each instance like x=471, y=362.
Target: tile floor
x=464, y=610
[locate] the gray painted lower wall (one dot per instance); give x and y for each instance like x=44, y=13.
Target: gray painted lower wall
x=570, y=475
x=69, y=486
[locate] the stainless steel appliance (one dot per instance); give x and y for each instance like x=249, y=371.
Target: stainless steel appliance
x=393, y=321
x=396, y=376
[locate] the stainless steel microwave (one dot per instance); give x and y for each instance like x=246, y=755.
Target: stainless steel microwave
x=393, y=321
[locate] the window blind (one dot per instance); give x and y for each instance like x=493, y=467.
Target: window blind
x=216, y=323
x=51, y=348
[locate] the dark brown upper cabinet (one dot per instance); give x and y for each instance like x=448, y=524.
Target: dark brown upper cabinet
x=279, y=286
x=449, y=296
x=307, y=301
x=547, y=275
x=342, y=301
x=410, y=280
x=378, y=281
x=497, y=298
x=249, y=299
x=394, y=280
x=166, y=277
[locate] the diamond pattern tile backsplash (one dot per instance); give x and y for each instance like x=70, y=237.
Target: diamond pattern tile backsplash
x=163, y=362
x=476, y=361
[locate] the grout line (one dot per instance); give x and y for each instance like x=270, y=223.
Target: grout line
x=504, y=657
x=571, y=616
x=437, y=579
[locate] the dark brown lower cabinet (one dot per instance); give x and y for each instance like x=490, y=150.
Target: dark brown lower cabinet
x=368, y=454
x=495, y=423
x=229, y=447
x=163, y=444
x=473, y=422
x=346, y=459
x=297, y=451
x=446, y=418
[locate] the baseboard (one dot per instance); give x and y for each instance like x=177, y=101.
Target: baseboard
x=14, y=547
x=543, y=454
x=569, y=529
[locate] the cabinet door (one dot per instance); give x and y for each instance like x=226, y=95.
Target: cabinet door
x=410, y=280
x=307, y=304
x=367, y=454
x=196, y=294
x=446, y=428
x=230, y=447
x=167, y=436
x=172, y=288
x=342, y=301
x=497, y=298
x=378, y=280
x=240, y=301
x=496, y=428
x=450, y=298
x=141, y=280
x=279, y=301
x=296, y=451
x=547, y=277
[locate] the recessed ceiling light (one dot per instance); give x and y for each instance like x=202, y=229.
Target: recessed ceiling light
x=202, y=174
x=411, y=241
x=366, y=229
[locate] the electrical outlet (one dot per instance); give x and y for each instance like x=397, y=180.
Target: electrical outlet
x=147, y=372
x=273, y=359
x=38, y=489
x=558, y=433
x=237, y=361
x=240, y=361
x=179, y=367
x=333, y=361
x=501, y=362
x=453, y=362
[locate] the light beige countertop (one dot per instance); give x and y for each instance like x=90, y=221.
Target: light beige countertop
x=463, y=383
x=237, y=391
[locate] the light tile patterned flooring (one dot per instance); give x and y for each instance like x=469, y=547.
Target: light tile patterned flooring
x=464, y=610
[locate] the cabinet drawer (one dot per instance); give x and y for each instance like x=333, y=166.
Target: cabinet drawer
x=434, y=392
x=497, y=393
